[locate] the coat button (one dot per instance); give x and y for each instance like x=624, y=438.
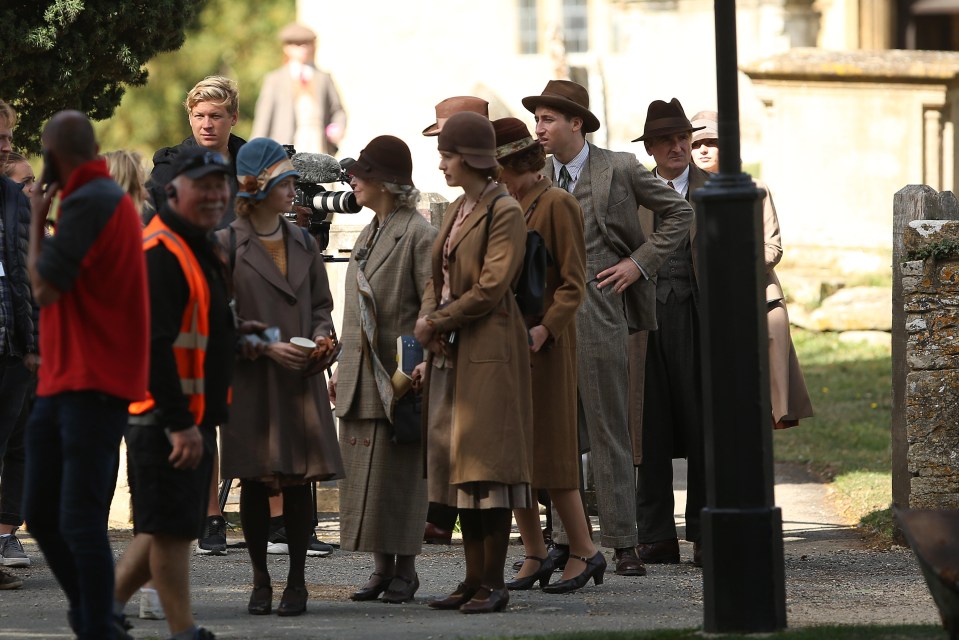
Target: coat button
x=352, y=440
x=366, y=442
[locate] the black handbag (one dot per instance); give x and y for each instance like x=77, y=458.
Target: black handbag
x=530, y=290
x=408, y=419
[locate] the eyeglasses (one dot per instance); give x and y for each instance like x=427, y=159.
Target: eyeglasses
x=208, y=158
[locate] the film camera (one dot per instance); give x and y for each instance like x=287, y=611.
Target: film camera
x=316, y=169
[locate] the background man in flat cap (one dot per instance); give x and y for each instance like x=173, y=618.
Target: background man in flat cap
x=671, y=423
x=620, y=297
x=298, y=103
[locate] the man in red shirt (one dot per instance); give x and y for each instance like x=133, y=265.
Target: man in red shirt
x=90, y=282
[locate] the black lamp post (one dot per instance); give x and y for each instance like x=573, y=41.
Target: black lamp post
x=743, y=576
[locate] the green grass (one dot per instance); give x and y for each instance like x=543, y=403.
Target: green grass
x=849, y=441
x=831, y=632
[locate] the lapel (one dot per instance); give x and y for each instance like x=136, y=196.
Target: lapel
x=388, y=240
x=476, y=216
x=251, y=251
x=600, y=178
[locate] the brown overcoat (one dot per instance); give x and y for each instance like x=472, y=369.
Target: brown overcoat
x=558, y=218
x=492, y=430
x=280, y=422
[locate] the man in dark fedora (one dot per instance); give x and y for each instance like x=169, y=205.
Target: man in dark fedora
x=620, y=297
x=670, y=424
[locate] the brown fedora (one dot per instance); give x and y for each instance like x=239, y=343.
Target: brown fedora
x=470, y=135
x=568, y=97
x=448, y=107
x=512, y=136
x=663, y=119
x=385, y=158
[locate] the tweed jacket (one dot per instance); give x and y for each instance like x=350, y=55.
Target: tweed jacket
x=620, y=185
x=398, y=270
x=280, y=422
x=492, y=407
x=274, y=115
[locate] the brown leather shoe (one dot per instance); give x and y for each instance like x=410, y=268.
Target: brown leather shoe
x=697, y=554
x=662, y=552
x=495, y=600
x=628, y=563
x=455, y=600
x=434, y=535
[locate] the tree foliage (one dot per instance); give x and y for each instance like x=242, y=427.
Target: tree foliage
x=81, y=54
x=237, y=39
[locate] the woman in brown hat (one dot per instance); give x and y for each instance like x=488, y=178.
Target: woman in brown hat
x=479, y=408
x=383, y=497
x=557, y=217
x=787, y=388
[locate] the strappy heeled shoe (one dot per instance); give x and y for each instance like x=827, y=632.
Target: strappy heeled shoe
x=542, y=575
x=365, y=593
x=595, y=568
x=495, y=600
x=402, y=589
x=463, y=594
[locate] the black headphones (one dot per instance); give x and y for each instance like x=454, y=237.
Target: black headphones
x=171, y=191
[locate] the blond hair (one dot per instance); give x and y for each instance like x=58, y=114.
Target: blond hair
x=126, y=167
x=13, y=159
x=217, y=90
x=7, y=115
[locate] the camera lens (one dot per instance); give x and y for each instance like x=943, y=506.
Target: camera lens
x=336, y=202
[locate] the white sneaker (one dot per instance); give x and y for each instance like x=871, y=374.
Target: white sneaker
x=278, y=548
x=150, y=607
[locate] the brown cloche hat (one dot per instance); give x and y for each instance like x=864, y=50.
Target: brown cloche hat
x=512, y=136
x=296, y=33
x=568, y=97
x=448, y=107
x=706, y=125
x=472, y=136
x=385, y=158
x=664, y=119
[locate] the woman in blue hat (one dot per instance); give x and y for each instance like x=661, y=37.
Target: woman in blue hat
x=281, y=436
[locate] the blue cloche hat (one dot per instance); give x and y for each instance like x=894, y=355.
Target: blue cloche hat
x=260, y=164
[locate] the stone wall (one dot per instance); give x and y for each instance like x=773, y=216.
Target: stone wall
x=930, y=287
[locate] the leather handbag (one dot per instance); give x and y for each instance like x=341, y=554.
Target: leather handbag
x=408, y=419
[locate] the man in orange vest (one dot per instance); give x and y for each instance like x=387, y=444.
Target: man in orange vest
x=172, y=433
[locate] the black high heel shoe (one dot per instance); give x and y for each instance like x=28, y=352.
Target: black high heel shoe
x=261, y=601
x=365, y=593
x=595, y=568
x=293, y=602
x=542, y=575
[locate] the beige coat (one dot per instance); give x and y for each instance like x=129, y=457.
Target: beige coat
x=492, y=430
x=559, y=219
x=383, y=497
x=280, y=423
x=275, y=117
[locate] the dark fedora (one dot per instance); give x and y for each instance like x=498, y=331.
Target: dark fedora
x=470, y=135
x=512, y=136
x=385, y=158
x=569, y=98
x=663, y=119
x=448, y=107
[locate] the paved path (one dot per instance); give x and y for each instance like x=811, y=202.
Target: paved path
x=831, y=578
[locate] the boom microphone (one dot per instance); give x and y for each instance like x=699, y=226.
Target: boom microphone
x=316, y=167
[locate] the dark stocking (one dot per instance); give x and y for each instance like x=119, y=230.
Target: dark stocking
x=496, y=527
x=255, y=518
x=298, y=517
x=471, y=525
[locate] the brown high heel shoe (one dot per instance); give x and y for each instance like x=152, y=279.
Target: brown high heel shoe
x=458, y=598
x=495, y=600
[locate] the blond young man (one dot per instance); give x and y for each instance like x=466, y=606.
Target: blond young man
x=212, y=107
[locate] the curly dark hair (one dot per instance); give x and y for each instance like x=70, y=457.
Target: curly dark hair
x=528, y=160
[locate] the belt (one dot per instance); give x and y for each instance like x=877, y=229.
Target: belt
x=143, y=419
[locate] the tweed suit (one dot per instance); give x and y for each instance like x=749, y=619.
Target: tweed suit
x=383, y=497
x=275, y=117
x=610, y=190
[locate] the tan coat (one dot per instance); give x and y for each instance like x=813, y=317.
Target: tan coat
x=559, y=219
x=280, y=423
x=275, y=114
x=492, y=430
x=383, y=497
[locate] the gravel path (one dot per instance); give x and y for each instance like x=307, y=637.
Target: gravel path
x=831, y=578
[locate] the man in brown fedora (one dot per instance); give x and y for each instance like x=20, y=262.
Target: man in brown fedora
x=620, y=297
x=671, y=423
x=299, y=103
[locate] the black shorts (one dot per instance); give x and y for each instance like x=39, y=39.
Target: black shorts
x=167, y=500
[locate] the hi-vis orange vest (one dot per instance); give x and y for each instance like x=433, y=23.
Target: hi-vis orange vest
x=189, y=348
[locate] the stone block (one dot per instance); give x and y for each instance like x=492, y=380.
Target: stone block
x=913, y=268
x=936, y=346
x=855, y=309
x=931, y=493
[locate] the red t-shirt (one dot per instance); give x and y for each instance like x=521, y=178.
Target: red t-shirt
x=95, y=337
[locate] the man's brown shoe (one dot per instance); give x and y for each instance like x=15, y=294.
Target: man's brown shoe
x=434, y=535
x=662, y=552
x=628, y=563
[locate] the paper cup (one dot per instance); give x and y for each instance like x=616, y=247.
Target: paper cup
x=305, y=345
